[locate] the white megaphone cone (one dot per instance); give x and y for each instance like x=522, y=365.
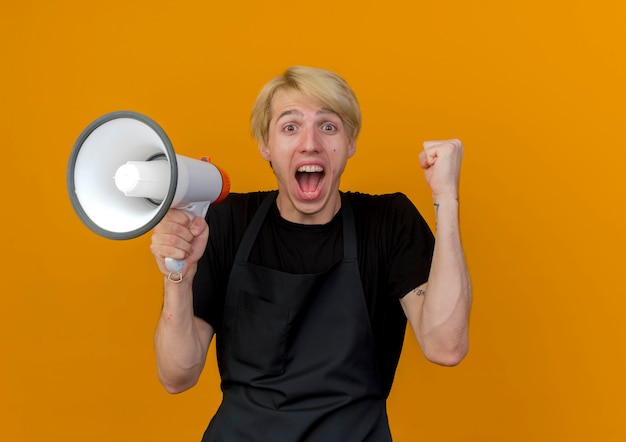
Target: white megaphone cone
x=123, y=176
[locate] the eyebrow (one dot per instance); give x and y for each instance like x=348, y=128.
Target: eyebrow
x=296, y=112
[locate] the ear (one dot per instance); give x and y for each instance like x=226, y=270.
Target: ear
x=264, y=151
x=351, y=149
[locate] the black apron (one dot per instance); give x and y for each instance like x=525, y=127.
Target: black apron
x=296, y=353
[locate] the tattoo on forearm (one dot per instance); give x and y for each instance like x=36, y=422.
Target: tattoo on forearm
x=420, y=292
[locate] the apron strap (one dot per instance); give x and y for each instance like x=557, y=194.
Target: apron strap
x=243, y=252
x=349, y=231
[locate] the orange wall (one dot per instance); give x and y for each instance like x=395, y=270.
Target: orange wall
x=536, y=91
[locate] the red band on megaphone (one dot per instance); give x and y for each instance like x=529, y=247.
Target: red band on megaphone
x=225, y=185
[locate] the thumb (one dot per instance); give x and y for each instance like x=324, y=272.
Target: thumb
x=424, y=160
x=428, y=157
x=198, y=226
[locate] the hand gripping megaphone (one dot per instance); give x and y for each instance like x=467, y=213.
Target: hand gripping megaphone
x=123, y=176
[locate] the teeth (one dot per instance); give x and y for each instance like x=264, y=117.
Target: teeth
x=310, y=169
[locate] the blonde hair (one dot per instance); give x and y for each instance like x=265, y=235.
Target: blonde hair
x=326, y=87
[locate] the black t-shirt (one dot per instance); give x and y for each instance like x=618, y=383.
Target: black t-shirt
x=394, y=250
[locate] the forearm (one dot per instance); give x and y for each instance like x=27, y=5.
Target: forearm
x=446, y=307
x=180, y=347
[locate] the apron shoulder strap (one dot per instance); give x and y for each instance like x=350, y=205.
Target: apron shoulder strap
x=243, y=252
x=349, y=229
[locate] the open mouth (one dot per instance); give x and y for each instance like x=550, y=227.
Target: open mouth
x=309, y=178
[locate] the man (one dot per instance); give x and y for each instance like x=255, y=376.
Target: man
x=308, y=289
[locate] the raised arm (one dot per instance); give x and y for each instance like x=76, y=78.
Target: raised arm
x=438, y=311
x=181, y=339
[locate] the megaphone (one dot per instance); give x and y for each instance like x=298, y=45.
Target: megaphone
x=123, y=176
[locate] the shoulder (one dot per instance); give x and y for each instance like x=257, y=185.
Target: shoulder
x=247, y=199
x=238, y=205
x=387, y=216
x=384, y=198
x=385, y=205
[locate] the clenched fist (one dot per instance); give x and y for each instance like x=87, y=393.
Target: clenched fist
x=179, y=237
x=441, y=161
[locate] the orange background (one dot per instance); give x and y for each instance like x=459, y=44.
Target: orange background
x=534, y=88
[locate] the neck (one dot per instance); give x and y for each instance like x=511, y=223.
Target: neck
x=308, y=213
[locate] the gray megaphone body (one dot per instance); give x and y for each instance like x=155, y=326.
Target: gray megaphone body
x=123, y=176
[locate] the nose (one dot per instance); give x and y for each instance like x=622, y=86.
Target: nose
x=310, y=140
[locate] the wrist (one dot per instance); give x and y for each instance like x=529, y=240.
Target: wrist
x=176, y=283
x=177, y=295
x=445, y=199
x=446, y=209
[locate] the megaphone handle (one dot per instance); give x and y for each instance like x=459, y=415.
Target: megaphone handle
x=175, y=266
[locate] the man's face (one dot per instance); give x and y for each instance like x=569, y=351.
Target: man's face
x=308, y=148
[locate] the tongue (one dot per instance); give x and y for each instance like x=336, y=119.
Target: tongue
x=309, y=181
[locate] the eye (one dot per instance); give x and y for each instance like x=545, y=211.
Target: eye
x=289, y=128
x=329, y=127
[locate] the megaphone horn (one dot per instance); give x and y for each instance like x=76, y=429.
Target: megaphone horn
x=123, y=176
